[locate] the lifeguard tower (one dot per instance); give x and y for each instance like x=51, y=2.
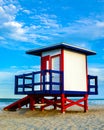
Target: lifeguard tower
x=63, y=74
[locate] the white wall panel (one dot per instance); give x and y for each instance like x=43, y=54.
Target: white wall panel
x=56, y=63
x=55, y=76
x=74, y=71
x=52, y=53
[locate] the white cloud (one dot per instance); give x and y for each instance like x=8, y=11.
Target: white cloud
x=15, y=30
x=7, y=78
x=100, y=24
x=87, y=29
x=27, y=11
x=12, y=24
x=4, y=76
x=1, y=38
x=10, y=9
x=8, y=75
x=1, y=2
x=23, y=69
x=7, y=12
x=44, y=27
x=12, y=28
x=48, y=21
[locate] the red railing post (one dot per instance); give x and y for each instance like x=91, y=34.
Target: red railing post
x=32, y=102
x=62, y=103
x=42, y=101
x=55, y=99
x=86, y=103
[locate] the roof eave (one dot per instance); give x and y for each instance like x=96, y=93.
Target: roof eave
x=38, y=52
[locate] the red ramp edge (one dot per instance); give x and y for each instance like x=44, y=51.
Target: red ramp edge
x=18, y=104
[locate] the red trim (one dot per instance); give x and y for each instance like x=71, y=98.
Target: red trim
x=62, y=60
x=55, y=55
x=58, y=55
x=42, y=101
x=62, y=65
x=85, y=102
x=32, y=102
x=86, y=96
x=43, y=62
x=86, y=75
x=55, y=101
x=62, y=103
x=18, y=104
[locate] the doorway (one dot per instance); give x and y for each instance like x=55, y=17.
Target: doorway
x=51, y=63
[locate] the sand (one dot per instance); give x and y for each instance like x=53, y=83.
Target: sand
x=73, y=119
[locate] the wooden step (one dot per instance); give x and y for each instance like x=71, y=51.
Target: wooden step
x=39, y=104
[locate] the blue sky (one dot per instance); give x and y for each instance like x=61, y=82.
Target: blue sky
x=29, y=24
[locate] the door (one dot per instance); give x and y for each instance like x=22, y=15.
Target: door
x=56, y=76
x=45, y=65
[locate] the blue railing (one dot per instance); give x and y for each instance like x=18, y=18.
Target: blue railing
x=45, y=81
x=48, y=82
x=92, y=85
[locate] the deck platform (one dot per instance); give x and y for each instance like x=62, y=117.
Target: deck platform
x=44, y=92
x=41, y=82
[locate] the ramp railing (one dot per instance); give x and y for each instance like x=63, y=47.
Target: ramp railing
x=92, y=85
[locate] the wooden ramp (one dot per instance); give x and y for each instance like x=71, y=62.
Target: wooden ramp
x=18, y=104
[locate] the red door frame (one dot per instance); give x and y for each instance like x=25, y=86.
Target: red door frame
x=44, y=64
x=58, y=55
x=49, y=58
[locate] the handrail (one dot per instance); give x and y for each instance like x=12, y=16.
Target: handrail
x=27, y=83
x=44, y=82
x=92, y=87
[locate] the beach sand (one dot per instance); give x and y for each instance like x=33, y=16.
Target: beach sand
x=73, y=119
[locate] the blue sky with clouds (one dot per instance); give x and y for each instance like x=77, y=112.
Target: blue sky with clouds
x=29, y=24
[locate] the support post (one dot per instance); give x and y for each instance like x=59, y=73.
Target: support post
x=16, y=84
x=85, y=103
x=32, y=102
x=62, y=103
x=42, y=101
x=55, y=99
